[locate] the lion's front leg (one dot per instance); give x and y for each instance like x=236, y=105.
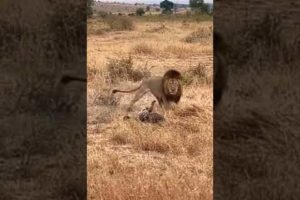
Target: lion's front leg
x=166, y=104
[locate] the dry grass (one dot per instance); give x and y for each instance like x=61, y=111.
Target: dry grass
x=143, y=49
x=95, y=27
x=102, y=25
x=118, y=23
x=256, y=134
x=42, y=129
x=131, y=160
x=181, y=51
x=159, y=29
x=200, y=74
x=201, y=35
x=122, y=69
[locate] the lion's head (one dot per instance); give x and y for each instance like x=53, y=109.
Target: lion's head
x=172, y=86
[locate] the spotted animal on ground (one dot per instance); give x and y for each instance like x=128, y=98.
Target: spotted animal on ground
x=147, y=116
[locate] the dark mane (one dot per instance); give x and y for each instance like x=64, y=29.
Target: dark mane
x=172, y=74
x=219, y=43
x=219, y=68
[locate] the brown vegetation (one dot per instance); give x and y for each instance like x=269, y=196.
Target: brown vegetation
x=257, y=139
x=133, y=160
x=200, y=35
x=42, y=128
x=119, y=23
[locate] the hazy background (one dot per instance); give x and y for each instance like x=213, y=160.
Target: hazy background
x=153, y=1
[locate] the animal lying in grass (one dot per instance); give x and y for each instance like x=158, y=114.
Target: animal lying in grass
x=147, y=115
x=166, y=89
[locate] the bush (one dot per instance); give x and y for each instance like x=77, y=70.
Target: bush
x=167, y=6
x=122, y=69
x=89, y=8
x=102, y=13
x=167, y=12
x=202, y=34
x=197, y=75
x=140, y=12
x=160, y=29
x=120, y=23
x=143, y=49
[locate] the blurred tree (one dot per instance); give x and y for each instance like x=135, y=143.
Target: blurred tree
x=148, y=8
x=199, y=6
x=140, y=12
x=90, y=8
x=167, y=6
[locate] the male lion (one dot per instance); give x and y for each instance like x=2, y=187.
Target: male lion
x=220, y=69
x=166, y=89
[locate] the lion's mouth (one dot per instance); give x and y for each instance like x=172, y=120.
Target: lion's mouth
x=173, y=92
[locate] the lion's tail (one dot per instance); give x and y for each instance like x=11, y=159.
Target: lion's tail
x=127, y=91
x=66, y=79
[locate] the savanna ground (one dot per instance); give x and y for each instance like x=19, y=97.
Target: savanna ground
x=132, y=160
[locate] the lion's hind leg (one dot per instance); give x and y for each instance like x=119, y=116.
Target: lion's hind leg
x=137, y=97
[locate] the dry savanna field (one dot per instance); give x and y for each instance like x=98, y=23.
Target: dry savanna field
x=134, y=160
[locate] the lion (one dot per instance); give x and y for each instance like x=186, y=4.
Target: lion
x=166, y=89
x=64, y=98
x=220, y=69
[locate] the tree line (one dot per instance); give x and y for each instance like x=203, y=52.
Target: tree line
x=167, y=7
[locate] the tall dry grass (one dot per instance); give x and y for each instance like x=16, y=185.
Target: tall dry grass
x=132, y=160
x=41, y=140
x=255, y=130
x=107, y=23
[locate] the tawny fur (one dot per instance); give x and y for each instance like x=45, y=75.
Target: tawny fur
x=158, y=86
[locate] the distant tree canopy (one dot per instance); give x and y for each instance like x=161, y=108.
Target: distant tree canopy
x=199, y=6
x=167, y=6
x=148, y=8
x=90, y=7
x=140, y=12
